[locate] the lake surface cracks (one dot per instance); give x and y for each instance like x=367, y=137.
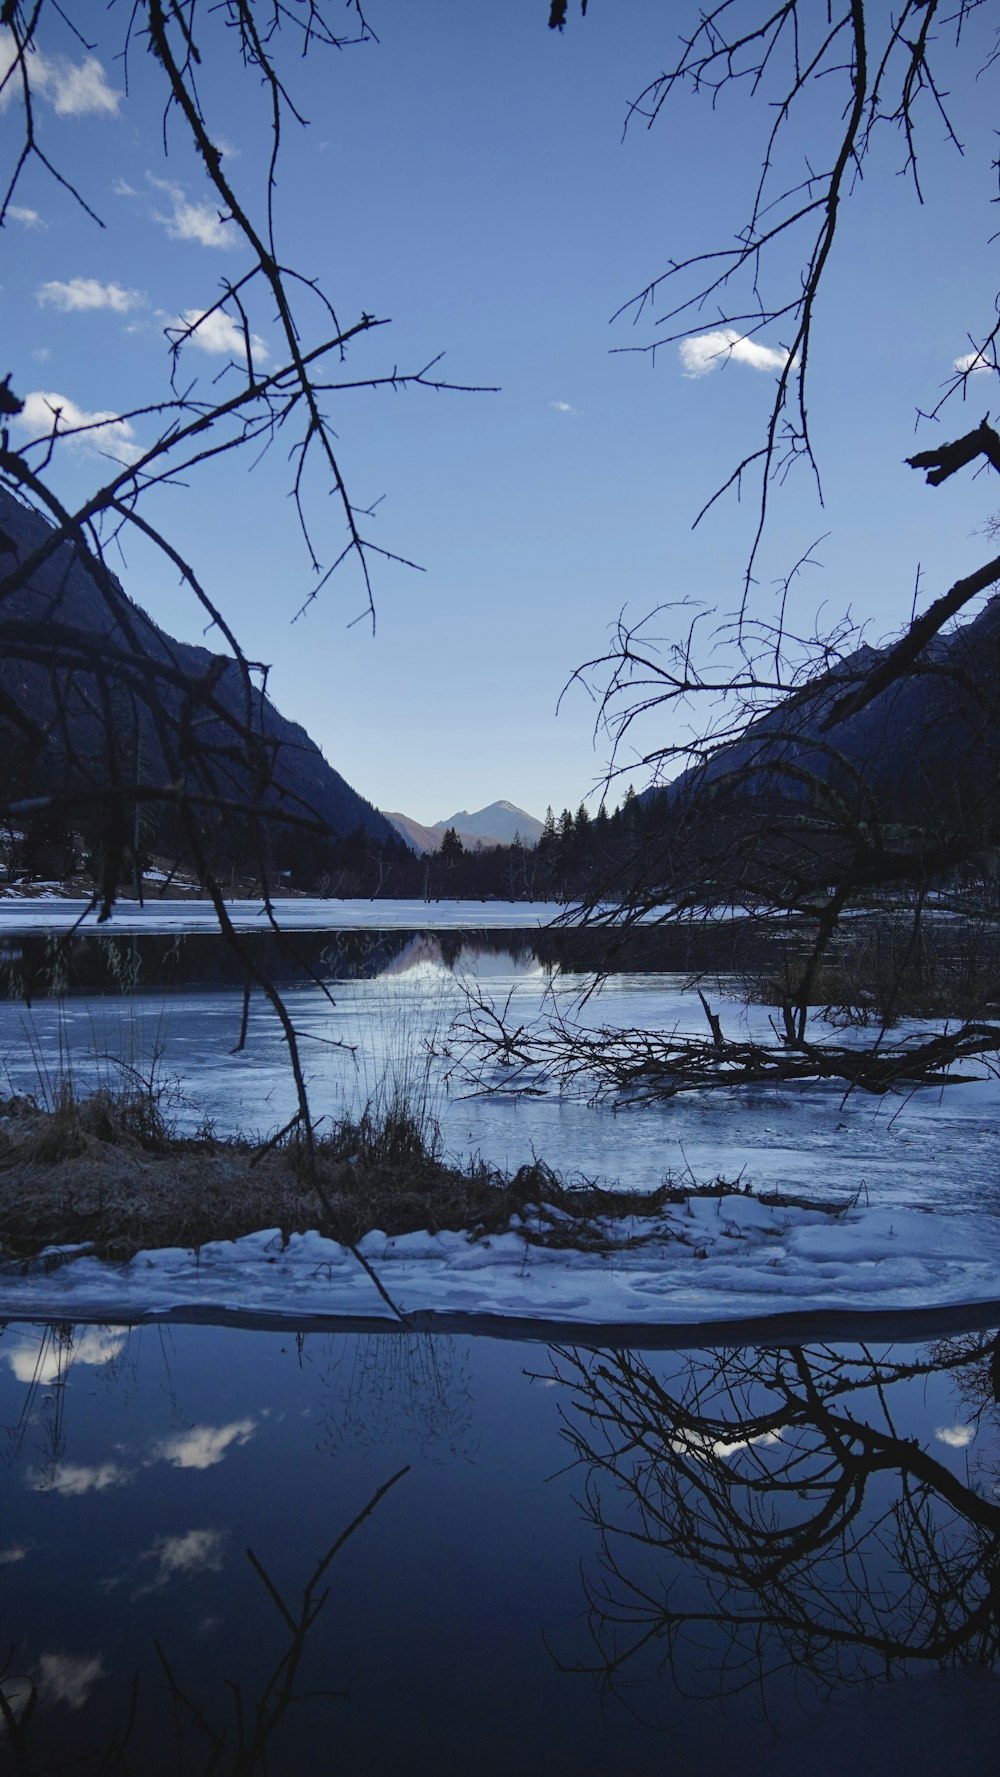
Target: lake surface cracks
x=563, y=1560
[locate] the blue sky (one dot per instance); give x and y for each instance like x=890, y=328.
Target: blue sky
x=466, y=176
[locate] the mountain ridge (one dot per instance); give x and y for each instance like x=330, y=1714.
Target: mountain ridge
x=496, y=824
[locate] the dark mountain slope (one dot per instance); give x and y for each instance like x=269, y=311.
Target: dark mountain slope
x=102, y=712
x=910, y=784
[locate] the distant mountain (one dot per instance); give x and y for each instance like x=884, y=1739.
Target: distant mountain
x=496, y=825
x=502, y=821
x=93, y=693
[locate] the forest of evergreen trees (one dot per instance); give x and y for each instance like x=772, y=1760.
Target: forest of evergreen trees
x=576, y=855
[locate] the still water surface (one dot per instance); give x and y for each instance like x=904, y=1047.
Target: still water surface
x=586, y=1561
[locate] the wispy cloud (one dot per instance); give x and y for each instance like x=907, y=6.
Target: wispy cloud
x=974, y=364
x=73, y=89
x=63, y=1678
x=106, y=433
x=14, y=1552
x=563, y=407
x=187, y=221
x=217, y=333
x=122, y=188
x=194, y=1551
x=204, y=1445
x=28, y=218
x=72, y=1479
x=89, y=293
x=709, y=351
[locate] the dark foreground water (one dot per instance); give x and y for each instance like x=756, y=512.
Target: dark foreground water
x=561, y=1560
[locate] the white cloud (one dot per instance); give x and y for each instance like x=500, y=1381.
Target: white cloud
x=122, y=188
x=563, y=407
x=81, y=89
x=26, y=217
x=73, y=89
x=106, y=433
x=192, y=222
x=974, y=363
x=88, y=293
x=72, y=1479
x=48, y=1358
x=62, y=1678
x=8, y=57
x=218, y=333
x=700, y=1447
x=708, y=351
x=204, y=1445
x=13, y=1552
x=195, y=1551
x=957, y=1437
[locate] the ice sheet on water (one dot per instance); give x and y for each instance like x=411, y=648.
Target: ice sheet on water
x=57, y=913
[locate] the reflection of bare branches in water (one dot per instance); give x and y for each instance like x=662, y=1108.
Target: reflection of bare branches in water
x=759, y=1512
x=43, y=1363
x=380, y=1383
x=240, y=1746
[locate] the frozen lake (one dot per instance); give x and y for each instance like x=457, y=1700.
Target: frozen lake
x=378, y=1014
x=383, y=1021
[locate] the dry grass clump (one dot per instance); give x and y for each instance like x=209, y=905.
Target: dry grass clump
x=106, y=1171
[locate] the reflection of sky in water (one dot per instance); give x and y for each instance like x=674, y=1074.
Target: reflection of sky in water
x=65, y=1679
x=45, y=1358
x=204, y=1445
x=454, y=1604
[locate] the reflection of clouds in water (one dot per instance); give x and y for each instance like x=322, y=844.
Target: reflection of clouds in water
x=200, y=1448
x=17, y=1691
x=73, y=1478
x=204, y=1445
x=957, y=1437
x=47, y=1359
x=701, y=1447
x=14, y=1552
x=62, y=1678
x=194, y=1551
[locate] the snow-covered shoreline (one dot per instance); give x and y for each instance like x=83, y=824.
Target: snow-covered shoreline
x=711, y=1262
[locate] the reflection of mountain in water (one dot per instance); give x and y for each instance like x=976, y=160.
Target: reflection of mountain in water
x=462, y=955
x=35, y=966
